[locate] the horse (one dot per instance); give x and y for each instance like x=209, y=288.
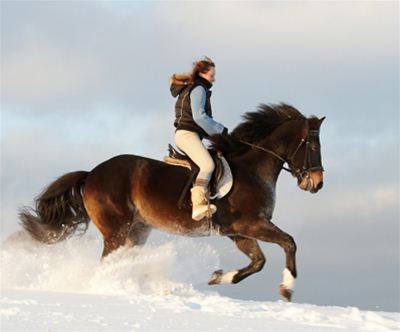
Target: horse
x=128, y=195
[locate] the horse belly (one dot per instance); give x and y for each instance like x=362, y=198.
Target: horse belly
x=197, y=229
x=165, y=215
x=178, y=224
x=156, y=188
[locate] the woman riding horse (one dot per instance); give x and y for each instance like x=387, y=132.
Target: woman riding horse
x=127, y=196
x=193, y=123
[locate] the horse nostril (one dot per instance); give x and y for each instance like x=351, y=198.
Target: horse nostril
x=319, y=186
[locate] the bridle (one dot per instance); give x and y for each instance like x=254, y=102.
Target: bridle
x=305, y=170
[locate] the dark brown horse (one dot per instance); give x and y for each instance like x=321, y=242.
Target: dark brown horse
x=128, y=195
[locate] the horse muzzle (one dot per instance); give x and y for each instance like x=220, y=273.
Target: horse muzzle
x=311, y=181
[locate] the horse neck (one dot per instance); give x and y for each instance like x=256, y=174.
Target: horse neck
x=267, y=165
x=264, y=164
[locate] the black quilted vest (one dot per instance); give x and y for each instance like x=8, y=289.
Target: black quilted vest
x=183, y=111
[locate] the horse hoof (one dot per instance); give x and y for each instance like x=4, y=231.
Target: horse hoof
x=216, y=277
x=286, y=293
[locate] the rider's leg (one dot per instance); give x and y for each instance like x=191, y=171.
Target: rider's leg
x=190, y=143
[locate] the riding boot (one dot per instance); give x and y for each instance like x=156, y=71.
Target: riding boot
x=201, y=207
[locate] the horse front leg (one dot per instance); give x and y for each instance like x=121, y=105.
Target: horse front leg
x=251, y=249
x=265, y=230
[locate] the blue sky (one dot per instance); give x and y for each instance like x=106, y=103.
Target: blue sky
x=84, y=81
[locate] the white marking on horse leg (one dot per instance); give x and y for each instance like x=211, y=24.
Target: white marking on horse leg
x=227, y=278
x=288, y=280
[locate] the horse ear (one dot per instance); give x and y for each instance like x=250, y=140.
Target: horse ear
x=320, y=121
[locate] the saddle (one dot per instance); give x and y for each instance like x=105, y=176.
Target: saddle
x=221, y=179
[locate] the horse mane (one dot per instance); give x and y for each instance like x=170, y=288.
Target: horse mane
x=256, y=126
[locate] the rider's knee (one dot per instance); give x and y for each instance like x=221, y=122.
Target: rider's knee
x=209, y=166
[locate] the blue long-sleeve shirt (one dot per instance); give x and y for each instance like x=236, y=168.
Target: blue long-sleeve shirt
x=198, y=104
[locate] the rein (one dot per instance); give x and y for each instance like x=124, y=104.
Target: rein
x=270, y=152
x=304, y=171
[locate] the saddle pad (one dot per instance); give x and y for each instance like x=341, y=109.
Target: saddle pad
x=177, y=162
x=225, y=184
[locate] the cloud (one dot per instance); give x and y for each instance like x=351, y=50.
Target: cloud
x=42, y=74
x=117, y=53
x=317, y=31
x=50, y=60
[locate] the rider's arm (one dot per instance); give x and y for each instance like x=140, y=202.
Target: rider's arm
x=198, y=104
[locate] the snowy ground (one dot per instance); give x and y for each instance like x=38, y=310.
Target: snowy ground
x=65, y=287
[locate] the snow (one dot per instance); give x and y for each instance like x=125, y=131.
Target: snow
x=65, y=287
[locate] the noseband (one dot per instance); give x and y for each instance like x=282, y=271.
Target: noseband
x=304, y=171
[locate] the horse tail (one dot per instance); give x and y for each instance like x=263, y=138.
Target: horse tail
x=59, y=210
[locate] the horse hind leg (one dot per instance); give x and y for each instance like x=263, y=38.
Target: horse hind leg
x=138, y=233
x=252, y=250
x=111, y=223
x=130, y=235
x=113, y=242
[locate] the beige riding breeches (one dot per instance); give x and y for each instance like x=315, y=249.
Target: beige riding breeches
x=190, y=143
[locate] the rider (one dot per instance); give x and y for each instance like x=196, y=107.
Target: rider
x=193, y=123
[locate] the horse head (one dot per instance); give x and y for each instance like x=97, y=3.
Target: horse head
x=284, y=133
x=304, y=158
